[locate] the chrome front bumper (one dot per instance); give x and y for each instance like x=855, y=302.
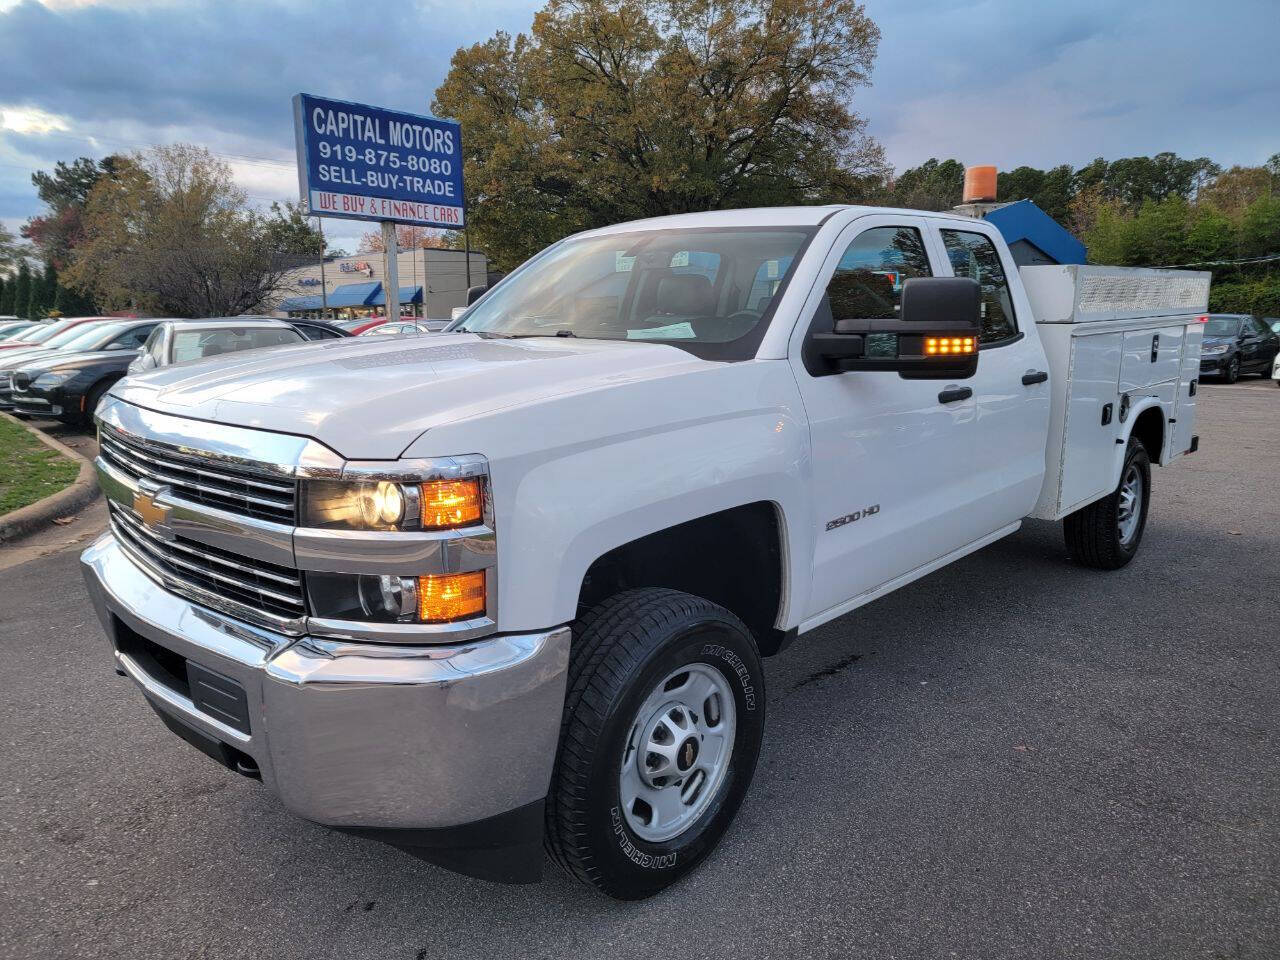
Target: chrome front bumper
x=366, y=736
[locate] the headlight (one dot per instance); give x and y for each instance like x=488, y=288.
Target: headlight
x=47, y=381
x=392, y=505
x=1215, y=349
x=378, y=598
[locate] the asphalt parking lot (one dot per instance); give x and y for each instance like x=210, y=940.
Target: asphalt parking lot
x=1013, y=757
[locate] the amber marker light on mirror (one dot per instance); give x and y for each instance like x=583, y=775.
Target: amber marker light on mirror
x=936, y=346
x=451, y=503
x=451, y=596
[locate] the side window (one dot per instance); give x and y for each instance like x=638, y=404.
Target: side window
x=867, y=284
x=134, y=338
x=973, y=255
x=1261, y=328
x=152, y=346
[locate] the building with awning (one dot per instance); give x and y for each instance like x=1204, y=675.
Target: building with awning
x=433, y=281
x=348, y=300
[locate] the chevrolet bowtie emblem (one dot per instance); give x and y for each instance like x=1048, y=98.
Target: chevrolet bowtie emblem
x=149, y=512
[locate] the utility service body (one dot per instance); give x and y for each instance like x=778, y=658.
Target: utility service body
x=367, y=163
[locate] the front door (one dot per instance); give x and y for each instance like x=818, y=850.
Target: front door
x=894, y=459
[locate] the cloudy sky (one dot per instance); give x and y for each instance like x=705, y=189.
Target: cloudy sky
x=1008, y=82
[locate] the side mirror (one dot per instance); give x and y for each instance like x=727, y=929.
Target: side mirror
x=475, y=293
x=937, y=333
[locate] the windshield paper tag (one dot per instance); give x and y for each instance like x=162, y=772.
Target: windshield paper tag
x=674, y=331
x=622, y=264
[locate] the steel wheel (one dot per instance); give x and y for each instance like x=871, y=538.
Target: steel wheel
x=1129, y=504
x=678, y=752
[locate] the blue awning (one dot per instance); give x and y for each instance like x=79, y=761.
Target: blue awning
x=292, y=304
x=355, y=295
x=407, y=295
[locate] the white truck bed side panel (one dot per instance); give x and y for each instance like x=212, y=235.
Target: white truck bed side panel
x=1185, y=407
x=1151, y=356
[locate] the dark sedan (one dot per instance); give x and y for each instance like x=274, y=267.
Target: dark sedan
x=318, y=329
x=68, y=386
x=1236, y=343
x=98, y=335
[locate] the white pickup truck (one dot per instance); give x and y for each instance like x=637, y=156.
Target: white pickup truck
x=510, y=585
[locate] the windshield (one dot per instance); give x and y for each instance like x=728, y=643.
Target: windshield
x=1222, y=327
x=80, y=335
x=11, y=331
x=45, y=332
x=196, y=344
x=701, y=289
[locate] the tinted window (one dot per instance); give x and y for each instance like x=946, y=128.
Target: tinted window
x=1221, y=327
x=867, y=284
x=973, y=255
x=198, y=344
x=1262, y=329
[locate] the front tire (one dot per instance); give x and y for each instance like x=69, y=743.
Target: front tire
x=1106, y=534
x=662, y=726
x=1232, y=372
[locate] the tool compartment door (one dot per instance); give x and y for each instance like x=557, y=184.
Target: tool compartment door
x=1088, y=443
x=1188, y=385
x=1151, y=356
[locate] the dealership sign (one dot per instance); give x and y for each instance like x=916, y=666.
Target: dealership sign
x=366, y=163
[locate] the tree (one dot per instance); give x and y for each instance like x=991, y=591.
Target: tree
x=12, y=250
x=934, y=185
x=610, y=110
x=5, y=307
x=170, y=232
x=408, y=237
x=22, y=290
x=43, y=291
x=64, y=192
x=290, y=231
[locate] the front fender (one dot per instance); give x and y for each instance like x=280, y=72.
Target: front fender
x=575, y=477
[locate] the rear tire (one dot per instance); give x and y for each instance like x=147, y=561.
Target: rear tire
x=1106, y=534
x=665, y=702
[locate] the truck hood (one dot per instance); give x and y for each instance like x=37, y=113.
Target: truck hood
x=370, y=397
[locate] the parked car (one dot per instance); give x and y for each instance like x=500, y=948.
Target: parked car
x=517, y=584
x=1236, y=343
x=396, y=328
x=318, y=329
x=1275, y=370
x=359, y=325
x=108, y=335
x=12, y=328
x=67, y=384
x=41, y=332
x=179, y=341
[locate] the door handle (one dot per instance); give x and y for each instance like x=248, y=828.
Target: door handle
x=952, y=394
x=1030, y=379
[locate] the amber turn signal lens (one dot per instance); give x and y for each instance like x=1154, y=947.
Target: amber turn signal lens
x=451, y=503
x=450, y=596
x=934, y=346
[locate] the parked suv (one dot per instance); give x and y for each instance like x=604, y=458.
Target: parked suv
x=1236, y=343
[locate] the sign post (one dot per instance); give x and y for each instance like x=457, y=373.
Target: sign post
x=390, y=269
x=360, y=162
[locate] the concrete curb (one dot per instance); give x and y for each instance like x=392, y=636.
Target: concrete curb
x=70, y=499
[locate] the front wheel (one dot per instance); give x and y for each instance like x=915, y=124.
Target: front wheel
x=662, y=726
x=1105, y=535
x=1232, y=373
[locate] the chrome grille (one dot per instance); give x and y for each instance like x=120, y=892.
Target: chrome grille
x=214, y=483
x=256, y=584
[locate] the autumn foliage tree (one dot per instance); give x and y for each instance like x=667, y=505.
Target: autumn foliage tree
x=610, y=110
x=170, y=232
